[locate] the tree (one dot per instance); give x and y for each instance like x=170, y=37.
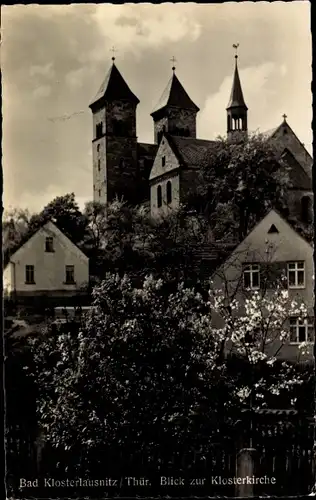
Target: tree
x=239, y=182
x=15, y=227
x=146, y=375
x=64, y=211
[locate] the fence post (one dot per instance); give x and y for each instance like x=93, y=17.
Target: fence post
x=245, y=468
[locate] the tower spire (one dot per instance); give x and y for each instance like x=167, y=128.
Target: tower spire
x=236, y=109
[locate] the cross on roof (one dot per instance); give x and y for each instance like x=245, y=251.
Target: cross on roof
x=284, y=117
x=173, y=59
x=113, y=50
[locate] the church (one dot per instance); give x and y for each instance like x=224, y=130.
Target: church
x=159, y=174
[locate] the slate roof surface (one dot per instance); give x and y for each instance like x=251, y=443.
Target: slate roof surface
x=114, y=87
x=236, y=97
x=175, y=95
x=193, y=151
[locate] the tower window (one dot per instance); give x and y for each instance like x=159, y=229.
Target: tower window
x=163, y=161
x=99, y=193
x=159, y=196
x=306, y=209
x=98, y=148
x=99, y=165
x=169, y=192
x=99, y=130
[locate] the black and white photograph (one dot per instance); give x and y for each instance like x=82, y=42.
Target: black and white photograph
x=157, y=233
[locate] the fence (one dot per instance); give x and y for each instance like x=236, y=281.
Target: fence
x=283, y=451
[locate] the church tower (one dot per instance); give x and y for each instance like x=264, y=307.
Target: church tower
x=175, y=112
x=236, y=109
x=114, y=142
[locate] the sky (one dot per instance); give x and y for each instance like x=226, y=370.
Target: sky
x=54, y=59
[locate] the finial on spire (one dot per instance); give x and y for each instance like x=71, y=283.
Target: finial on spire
x=236, y=45
x=113, y=50
x=284, y=117
x=173, y=59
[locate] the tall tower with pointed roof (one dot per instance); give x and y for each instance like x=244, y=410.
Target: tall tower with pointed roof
x=236, y=109
x=114, y=142
x=175, y=112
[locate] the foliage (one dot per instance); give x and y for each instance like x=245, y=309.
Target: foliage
x=15, y=227
x=64, y=211
x=148, y=373
x=239, y=183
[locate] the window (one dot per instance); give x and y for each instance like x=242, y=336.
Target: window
x=70, y=275
x=163, y=161
x=98, y=148
x=99, y=165
x=99, y=193
x=296, y=274
x=159, y=196
x=49, y=244
x=99, y=130
x=306, y=209
x=29, y=275
x=169, y=192
x=301, y=330
x=252, y=276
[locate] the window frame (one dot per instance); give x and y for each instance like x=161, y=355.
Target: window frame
x=159, y=196
x=169, y=192
x=29, y=268
x=70, y=267
x=296, y=270
x=248, y=269
x=307, y=323
x=48, y=248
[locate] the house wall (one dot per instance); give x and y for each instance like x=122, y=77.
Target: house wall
x=269, y=250
x=49, y=267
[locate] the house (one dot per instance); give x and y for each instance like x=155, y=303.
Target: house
x=48, y=264
x=273, y=254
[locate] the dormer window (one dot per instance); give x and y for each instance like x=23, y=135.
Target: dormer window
x=49, y=244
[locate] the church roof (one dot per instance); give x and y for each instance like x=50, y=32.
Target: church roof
x=236, y=97
x=114, y=87
x=174, y=95
x=193, y=151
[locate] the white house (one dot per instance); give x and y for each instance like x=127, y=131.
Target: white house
x=48, y=263
x=272, y=249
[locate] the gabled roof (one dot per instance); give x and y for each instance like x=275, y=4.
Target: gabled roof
x=280, y=217
x=30, y=235
x=174, y=95
x=236, y=97
x=114, y=87
x=269, y=134
x=192, y=152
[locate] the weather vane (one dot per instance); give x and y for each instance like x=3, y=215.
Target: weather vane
x=236, y=45
x=113, y=50
x=173, y=60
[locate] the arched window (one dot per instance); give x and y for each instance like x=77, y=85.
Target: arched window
x=306, y=209
x=159, y=196
x=169, y=192
x=229, y=126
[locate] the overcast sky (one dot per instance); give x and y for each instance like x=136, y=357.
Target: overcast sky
x=55, y=57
